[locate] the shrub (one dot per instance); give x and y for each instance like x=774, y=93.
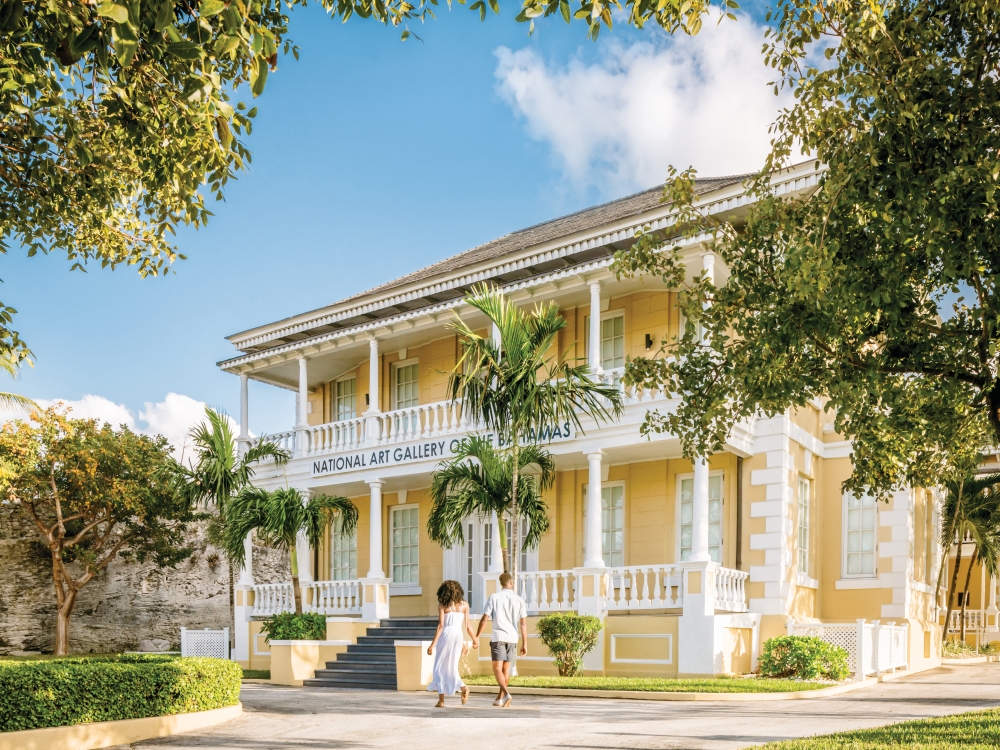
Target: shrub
x=60, y=692
x=291, y=627
x=569, y=637
x=804, y=657
x=956, y=649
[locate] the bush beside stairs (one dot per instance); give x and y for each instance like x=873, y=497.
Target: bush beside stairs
x=371, y=662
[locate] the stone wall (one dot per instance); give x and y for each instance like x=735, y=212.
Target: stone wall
x=125, y=603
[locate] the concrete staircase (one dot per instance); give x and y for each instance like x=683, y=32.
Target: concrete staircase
x=371, y=662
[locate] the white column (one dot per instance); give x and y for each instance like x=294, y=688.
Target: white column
x=496, y=556
x=244, y=437
x=246, y=573
x=699, y=520
x=375, y=531
x=495, y=335
x=373, y=379
x=593, y=557
x=303, y=400
x=594, y=360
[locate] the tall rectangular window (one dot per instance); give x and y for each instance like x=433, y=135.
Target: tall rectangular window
x=859, y=536
x=613, y=525
x=613, y=342
x=405, y=545
x=803, y=535
x=488, y=545
x=344, y=553
x=714, y=517
x=407, y=386
x=345, y=399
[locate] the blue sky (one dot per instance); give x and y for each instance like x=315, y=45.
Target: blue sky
x=373, y=157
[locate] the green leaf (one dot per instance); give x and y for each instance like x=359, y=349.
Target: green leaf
x=564, y=9
x=185, y=50
x=258, y=76
x=226, y=44
x=117, y=13
x=209, y=8
x=164, y=15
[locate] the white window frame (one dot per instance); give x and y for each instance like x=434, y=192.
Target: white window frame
x=844, y=575
x=352, y=546
x=722, y=519
x=336, y=398
x=803, y=525
x=606, y=315
x=403, y=587
x=394, y=382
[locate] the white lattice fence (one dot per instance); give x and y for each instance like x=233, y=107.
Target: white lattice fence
x=872, y=648
x=214, y=643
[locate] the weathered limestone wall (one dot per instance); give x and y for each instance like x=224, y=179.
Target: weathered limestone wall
x=125, y=603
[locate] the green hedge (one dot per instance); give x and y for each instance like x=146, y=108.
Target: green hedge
x=291, y=627
x=804, y=657
x=36, y=694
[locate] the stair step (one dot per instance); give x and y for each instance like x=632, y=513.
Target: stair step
x=366, y=658
x=346, y=667
x=348, y=685
x=368, y=678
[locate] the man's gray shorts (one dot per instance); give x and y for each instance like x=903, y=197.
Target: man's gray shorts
x=500, y=651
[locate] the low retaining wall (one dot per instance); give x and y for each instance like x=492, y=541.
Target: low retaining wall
x=110, y=733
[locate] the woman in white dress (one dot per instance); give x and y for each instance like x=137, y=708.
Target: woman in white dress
x=449, y=640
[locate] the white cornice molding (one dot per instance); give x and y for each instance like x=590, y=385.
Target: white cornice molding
x=729, y=198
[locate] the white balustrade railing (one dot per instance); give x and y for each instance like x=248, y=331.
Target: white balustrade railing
x=730, y=590
x=645, y=587
x=974, y=621
x=272, y=599
x=333, y=597
x=548, y=590
x=632, y=395
x=872, y=647
x=284, y=440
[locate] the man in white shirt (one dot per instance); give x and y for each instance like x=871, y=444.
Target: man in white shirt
x=509, y=614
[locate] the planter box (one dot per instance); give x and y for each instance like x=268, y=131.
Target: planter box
x=292, y=662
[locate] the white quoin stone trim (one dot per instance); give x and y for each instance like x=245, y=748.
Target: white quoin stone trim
x=895, y=563
x=776, y=509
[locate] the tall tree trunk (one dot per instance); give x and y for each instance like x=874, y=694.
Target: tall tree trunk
x=296, y=591
x=515, y=518
x=502, y=531
x=965, y=594
x=63, y=614
x=951, y=591
x=942, y=569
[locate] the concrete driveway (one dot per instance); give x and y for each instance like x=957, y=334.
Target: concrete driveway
x=313, y=718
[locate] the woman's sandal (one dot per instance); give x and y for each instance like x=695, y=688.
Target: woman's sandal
x=465, y=695
x=506, y=702
x=439, y=704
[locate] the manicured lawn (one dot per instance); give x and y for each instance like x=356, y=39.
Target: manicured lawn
x=256, y=674
x=979, y=730
x=659, y=685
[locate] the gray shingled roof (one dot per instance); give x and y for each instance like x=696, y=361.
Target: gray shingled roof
x=522, y=239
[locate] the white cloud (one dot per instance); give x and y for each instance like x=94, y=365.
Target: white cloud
x=173, y=417
x=698, y=101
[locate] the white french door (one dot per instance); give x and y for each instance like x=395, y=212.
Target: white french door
x=464, y=562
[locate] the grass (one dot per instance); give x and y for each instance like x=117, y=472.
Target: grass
x=256, y=674
x=658, y=684
x=979, y=730
x=51, y=657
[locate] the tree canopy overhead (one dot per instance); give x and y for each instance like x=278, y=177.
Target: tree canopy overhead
x=879, y=290
x=119, y=117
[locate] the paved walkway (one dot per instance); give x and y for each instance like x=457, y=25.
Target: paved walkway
x=314, y=718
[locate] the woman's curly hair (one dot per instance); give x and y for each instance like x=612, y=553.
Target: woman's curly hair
x=450, y=592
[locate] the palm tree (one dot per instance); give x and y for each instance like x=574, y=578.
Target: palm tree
x=220, y=473
x=13, y=400
x=479, y=481
x=278, y=517
x=515, y=387
x=971, y=506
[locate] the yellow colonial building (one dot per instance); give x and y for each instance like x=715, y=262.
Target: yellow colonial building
x=691, y=565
